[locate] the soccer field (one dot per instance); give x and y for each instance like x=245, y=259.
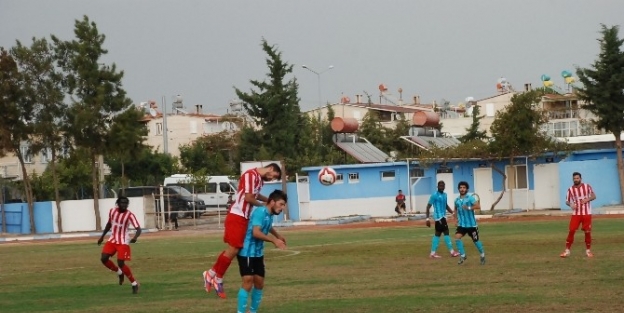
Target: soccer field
x=332, y=269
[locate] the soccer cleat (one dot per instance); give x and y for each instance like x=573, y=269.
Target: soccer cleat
x=454, y=254
x=218, y=288
x=483, y=260
x=121, y=279
x=589, y=254
x=462, y=258
x=565, y=254
x=135, y=289
x=434, y=256
x=208, y=281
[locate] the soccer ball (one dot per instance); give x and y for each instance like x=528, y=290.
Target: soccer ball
x=327, y=176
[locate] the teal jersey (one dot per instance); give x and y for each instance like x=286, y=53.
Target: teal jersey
x=438, y=201
x=465, y=217
x=253, y=247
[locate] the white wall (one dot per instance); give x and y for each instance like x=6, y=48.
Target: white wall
x=78, y=215
x=375, y=207
x=520, y=200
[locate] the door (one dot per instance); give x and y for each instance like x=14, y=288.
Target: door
x=303, y=193
x=546, y=186
x=484, y=187
x=450, y=187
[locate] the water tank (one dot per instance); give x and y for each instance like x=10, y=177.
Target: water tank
x=344, y=125
x=426, y=118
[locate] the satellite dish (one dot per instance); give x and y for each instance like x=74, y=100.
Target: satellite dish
x=393, y=154
x=153, y=112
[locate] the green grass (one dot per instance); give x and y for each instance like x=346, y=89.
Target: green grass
x=383, y=269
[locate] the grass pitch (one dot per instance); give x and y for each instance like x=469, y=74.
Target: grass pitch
x=332, y=269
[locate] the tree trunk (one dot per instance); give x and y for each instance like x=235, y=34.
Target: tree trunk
x=123, y=175
x=620, y=163
x=28, y=192
x=96, y=191
x=57, y=197
x=498, y=170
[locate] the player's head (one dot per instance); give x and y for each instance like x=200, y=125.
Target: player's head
x=277, y=201
x=441, y=186
x=400, y=191
x=576, y=178
x=463, y=187
x=122, y=203
x=273, y=172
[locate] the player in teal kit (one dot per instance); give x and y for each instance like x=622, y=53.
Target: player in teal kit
x=440, y=206
x=465, y=205
x=251, y=256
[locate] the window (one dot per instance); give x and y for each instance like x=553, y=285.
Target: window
x=159, y=129
x=212, y=188
x=354, y=178
x=417, y=172
x=225, y=188
x=388, y=175
x=25, y=151
x=46, y=155
x=516, y=177
x=339, y=179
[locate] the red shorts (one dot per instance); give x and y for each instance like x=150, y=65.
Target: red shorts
x=577, y=220
x=123, y=251
x=235, y=230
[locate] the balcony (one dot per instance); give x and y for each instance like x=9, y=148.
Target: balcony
x=559, y=114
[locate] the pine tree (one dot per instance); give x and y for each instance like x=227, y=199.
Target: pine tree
x=603, y=90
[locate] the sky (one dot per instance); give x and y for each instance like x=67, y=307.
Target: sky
x=437, y=50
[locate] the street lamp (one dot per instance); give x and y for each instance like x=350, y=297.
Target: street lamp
x=318, y=76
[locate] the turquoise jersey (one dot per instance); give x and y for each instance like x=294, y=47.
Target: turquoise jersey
x=466, y=218
x=438, y=201
x=253, y=247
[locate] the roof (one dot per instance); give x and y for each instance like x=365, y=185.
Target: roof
x=557, y=97
x=428, y=142
x=207, y=117
x=355, y=166
x=365, y=152
x=381, y=107
x=494, y=96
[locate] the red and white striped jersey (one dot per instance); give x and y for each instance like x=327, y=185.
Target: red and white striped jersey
x=576, y=194
x=119, y=225
x=250, y=182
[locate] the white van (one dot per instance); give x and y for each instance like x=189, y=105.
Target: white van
x=215, y=193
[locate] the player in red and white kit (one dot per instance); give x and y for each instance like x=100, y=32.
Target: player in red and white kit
x=578, y=198
x=247, y=196
x=119, y=218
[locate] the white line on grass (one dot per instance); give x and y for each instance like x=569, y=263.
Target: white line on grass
x=43, y=271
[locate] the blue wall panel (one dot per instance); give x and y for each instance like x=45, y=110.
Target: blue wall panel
x=601, y=174
x=18, y=218
x=293, y=200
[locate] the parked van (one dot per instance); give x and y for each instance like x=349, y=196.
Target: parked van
x=176, y=198
x=214, y=194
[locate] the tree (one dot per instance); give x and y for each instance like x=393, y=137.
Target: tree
x=96, y=92
x=473, y=132
x=603, y=90
x=274, y=107
x=44, y=87
x=517, y=131
x=149, y=167
x=16, y=120
x=125, y=139
x=212, y=153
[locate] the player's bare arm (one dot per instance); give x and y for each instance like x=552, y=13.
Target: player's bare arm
x=448, y=209
x=136, y=235
x=592, y=197
x=427, y=222
x=262, y=198
x=106, y=229
x=258, y=234
x=251, y=199
x=476, y=205
x=277, y=235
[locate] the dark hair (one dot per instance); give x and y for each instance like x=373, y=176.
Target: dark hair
x=122, y=198
x=441, y=182
x=400, y=190
x=276, y=168
x=277, y=195
x=577, y=173
x=463, y=183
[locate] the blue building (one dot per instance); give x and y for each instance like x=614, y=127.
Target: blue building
x=532, y=183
